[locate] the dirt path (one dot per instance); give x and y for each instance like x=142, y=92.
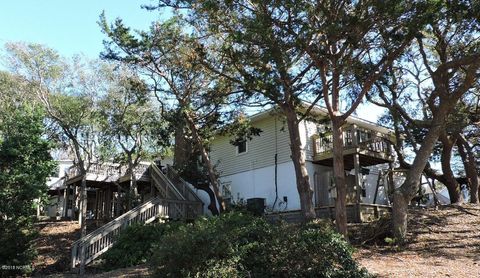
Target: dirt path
x=53, y=246
x=442, y=243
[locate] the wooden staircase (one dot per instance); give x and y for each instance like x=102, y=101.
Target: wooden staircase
x=176, y=200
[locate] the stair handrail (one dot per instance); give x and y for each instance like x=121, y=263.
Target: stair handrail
x=168, y=184
x=99, y=241
x=112, y=228
x=184, y=184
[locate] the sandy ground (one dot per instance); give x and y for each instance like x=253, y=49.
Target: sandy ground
x=441, y=243
x=53, y=246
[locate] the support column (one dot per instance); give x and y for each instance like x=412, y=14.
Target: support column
x=103, y=205
x=65, y=200
x=358, y=185
x=96, y=204
x=119, y=203
x=108, y=203
x=68, y=201
x=74, y=202
x=59, y=195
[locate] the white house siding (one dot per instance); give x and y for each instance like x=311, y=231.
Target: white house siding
x=307, y=130
x=252, y=174
x=260, y=183
x=261, y=149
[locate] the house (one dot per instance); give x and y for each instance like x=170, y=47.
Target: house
x=56, y=203
x=260, y=167
x=256, y=168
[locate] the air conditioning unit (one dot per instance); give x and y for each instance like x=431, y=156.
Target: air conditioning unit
x=256, y=206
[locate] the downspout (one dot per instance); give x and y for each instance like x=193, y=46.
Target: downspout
x=276, y=166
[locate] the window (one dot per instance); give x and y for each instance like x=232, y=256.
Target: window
x=242, y=147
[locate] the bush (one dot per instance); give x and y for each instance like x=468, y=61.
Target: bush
x=133, y=246
x=25, y=164
x=240, y=245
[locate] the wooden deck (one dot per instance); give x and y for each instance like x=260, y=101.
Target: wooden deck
x=356, y=213
x=372, y=148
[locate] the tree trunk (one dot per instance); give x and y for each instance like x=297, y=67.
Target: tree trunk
x=468, y=159
x=339, y=177
x=83, y=206
x=298, y=158
x=410, y=186
x=82, y=218
x=182, y=150
x=212, y=175
x=133, y=190
x=399, y=216
x=446, y=158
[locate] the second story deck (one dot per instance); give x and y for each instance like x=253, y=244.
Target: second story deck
x=372, y=147
x=108, y=172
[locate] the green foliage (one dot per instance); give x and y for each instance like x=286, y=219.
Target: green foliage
x=240, y=245
x=25, y=164
x=133, y=246
x=130, y=125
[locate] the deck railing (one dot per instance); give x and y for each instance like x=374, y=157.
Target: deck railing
x=165, y=187
x=100, y=169
x=354, y=138
x=181, y=185
x=113, y=171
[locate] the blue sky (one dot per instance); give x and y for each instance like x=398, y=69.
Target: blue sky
x=70, y=27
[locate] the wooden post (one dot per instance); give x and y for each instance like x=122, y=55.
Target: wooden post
x=358, y=185
x=74, y=202
x=100, y=204
x=103, y=204
x=354, y=132
x=119, y=203
x=108, y=203
x=96, y=204
x=67, y=199
x=380, y=175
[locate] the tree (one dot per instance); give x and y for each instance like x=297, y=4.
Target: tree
x=66, y=90
x=284, y=52
x=341, y=42
x=468, y=143
x=168, y=57
x=25, y=164
x=129, y=125
x=449, y=52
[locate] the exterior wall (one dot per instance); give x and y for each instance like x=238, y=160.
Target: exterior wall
x=252, y=174
x=56, y=205
x=63, y=165
x=260, y=183
x=261, y=149
x=307, y=130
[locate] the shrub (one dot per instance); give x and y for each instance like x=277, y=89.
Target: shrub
x=133, y=246
x=240, y=245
